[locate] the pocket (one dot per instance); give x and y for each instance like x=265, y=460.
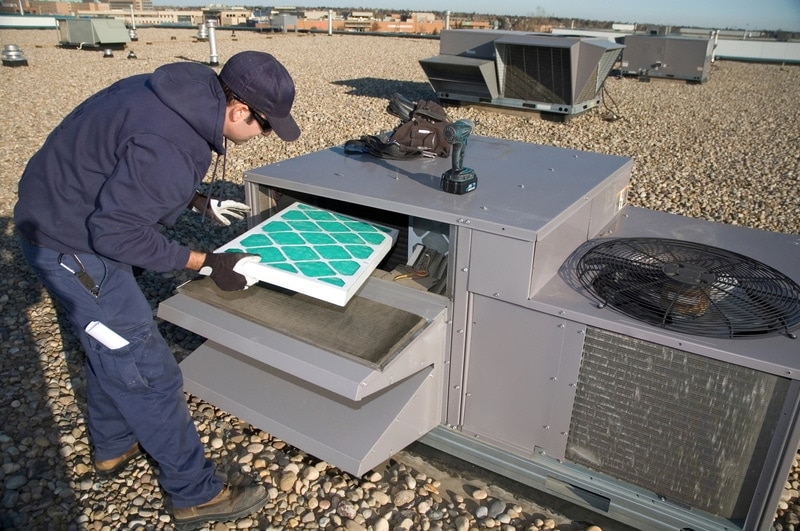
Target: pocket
x=422, y=138
x=133, y=368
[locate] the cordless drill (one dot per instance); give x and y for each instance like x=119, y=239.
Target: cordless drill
x=458, y=179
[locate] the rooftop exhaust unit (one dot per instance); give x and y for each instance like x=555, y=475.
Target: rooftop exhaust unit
x=669, y=57
x=132, y=31
x=283, y=22
x=213, y=58
x=202, y=32
x=551, y=74
x=93, y=33
x=13, y=56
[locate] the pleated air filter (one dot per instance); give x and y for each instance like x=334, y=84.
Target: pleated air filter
x=313, y=251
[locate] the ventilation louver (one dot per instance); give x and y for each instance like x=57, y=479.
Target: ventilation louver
x=691, y=288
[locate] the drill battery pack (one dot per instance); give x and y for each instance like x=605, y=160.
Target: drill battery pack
x=459, y=183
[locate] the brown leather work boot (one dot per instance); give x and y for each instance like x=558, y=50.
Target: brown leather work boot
x=229, y=504
x=112, y=467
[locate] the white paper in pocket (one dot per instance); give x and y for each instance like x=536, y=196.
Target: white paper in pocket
x=105, y=335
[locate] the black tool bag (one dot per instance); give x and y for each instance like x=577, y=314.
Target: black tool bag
x=420, y=133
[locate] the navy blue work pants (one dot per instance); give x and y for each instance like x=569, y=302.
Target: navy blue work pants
x=134, y=393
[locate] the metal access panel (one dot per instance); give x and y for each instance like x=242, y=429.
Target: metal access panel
x=524, y=418
x=93, y=32
x=670, y=57
x=351, y=385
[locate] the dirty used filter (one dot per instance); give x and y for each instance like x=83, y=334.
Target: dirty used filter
x=689, y=428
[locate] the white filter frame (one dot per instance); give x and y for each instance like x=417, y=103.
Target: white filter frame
x=298, y=280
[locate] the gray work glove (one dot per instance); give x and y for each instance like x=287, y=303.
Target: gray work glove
x=219, y=210
x=222, y=268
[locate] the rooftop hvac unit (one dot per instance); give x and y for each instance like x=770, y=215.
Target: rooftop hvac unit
x=655, y=376
x=283, y=22
x=641, y=364
x=671, y=57
x=93, y=33
x=550, y=74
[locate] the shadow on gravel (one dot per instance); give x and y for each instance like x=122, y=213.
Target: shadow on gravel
x=40, y=423
x=45, y=455
x=198, y=61
x=464, y=478
x=373, y=87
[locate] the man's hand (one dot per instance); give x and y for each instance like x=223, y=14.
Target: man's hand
x=219, y=210
x=221, y=268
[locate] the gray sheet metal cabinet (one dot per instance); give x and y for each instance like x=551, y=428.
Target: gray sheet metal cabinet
x=514, y=367
x=561, y=75
x=468, y=370
x=355, y=415
x=528, y=196
x=671, y=57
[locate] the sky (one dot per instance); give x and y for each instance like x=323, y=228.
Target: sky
x=716, y=14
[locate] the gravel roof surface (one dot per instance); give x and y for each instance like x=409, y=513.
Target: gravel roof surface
x=727, y=150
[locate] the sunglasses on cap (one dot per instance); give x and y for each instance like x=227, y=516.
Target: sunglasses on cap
x=263, y=123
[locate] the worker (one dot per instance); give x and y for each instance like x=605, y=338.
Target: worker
x=91, y=200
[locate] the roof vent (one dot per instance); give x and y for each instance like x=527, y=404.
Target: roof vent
x=13, y=56
x=202, y=32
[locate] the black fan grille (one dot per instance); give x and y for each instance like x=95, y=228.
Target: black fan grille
x=691, y=288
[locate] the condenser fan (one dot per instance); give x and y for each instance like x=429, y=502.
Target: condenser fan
x=691, y=288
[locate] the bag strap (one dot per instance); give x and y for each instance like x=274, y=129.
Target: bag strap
x=376, y=146
x=400, y=106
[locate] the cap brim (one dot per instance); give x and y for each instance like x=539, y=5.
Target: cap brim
x=286, y=128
